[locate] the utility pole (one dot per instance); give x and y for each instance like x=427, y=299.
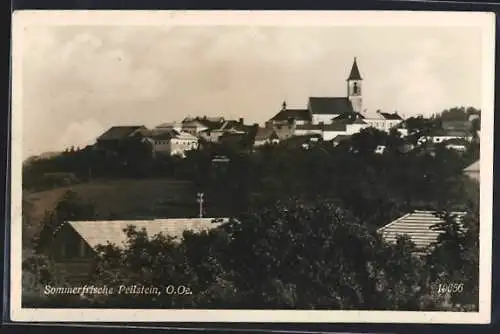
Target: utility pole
x=200, y=200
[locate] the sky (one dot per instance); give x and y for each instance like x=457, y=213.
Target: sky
x=80, y=80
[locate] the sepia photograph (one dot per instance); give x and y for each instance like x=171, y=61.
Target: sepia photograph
x=307, y=166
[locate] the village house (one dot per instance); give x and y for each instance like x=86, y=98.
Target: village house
x=382, y=121
x=193, y=126
x=442, y=135
x=171, y=142
x=419, y=226
x=117, y=138
x=75, y=243
x=266, y=136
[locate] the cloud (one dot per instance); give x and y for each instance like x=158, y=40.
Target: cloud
x=79, y=134
x=81, y=80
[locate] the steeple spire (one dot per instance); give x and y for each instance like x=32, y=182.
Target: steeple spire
x=354, y=75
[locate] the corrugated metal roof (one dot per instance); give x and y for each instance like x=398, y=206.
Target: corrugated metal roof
x=101, y=232
x=417, y=226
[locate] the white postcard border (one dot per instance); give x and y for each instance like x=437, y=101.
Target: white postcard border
x=484, y=21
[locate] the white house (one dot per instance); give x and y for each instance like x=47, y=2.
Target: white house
x=171, y=142
x=441, y=136
x=382, y=121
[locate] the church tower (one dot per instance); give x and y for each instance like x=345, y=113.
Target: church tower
x=354, y=82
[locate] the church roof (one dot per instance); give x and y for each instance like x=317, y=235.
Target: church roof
x=354, y=75
x=297, y=114
x=330, y=105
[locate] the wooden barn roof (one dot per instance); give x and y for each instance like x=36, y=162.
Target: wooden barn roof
x=112, y=231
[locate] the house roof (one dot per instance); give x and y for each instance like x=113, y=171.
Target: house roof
x=340, y=138
x=418, y=226
x=330, y=105
x=335, y=126
x=120, y=132
x=192, y=123
x=354, y=75
x=474, y=167
x=297, y=114
x=383, y=115
x=103, y=232
x=210, y=122
x=391, y=116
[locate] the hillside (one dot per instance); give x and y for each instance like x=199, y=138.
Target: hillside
x=123, y=199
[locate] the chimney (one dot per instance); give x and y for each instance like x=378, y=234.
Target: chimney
x=241, y=120
x=283, y=106
x=268, y=124
x=378, y=111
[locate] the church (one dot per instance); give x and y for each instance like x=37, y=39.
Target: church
x=333, y=116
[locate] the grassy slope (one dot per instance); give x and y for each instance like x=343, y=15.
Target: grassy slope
x=123, y=199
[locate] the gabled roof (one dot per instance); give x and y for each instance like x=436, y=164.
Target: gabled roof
x=329, y=105
x=383, y=115
x=211, y=122
x=393, y=116
x=354, y=75
x=120, y=132
x=101, y=232
x=297, y=114
x=418, y=226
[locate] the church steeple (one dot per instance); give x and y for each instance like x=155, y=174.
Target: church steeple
x=354, y=75
x=354, y=88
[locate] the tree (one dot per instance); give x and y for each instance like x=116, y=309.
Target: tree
x=70, y=207
x=455, y=257
x=297, y=254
